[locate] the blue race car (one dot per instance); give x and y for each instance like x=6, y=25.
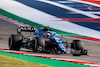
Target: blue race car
x=43, y=40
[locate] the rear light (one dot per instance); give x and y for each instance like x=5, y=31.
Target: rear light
x=85, y=52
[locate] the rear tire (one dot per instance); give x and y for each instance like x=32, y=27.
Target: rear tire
x=15, y=42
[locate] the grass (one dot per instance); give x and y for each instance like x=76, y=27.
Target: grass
x=13, y=62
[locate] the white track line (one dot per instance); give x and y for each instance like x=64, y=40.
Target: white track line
x=51, y=57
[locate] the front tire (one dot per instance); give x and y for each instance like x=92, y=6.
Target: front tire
x=34, y=45
x=38, y=42
x=15, y=42
x=77, y=47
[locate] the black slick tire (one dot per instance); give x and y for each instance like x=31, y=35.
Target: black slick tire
x=41, y=42
x=77, y=45
x=38, y=42
x=34, y=45
x=15, y=42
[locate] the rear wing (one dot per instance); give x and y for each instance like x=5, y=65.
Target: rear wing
x=25, y=29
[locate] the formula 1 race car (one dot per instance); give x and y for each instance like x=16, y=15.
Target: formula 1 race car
x=43, y=39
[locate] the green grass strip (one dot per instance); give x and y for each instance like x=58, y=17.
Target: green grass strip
x=25, y=21
x=46, y=61
x=6, y=61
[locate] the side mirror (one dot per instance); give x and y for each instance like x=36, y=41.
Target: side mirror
x=54, y=34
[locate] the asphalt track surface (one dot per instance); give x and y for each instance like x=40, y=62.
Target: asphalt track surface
x=7, y=28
